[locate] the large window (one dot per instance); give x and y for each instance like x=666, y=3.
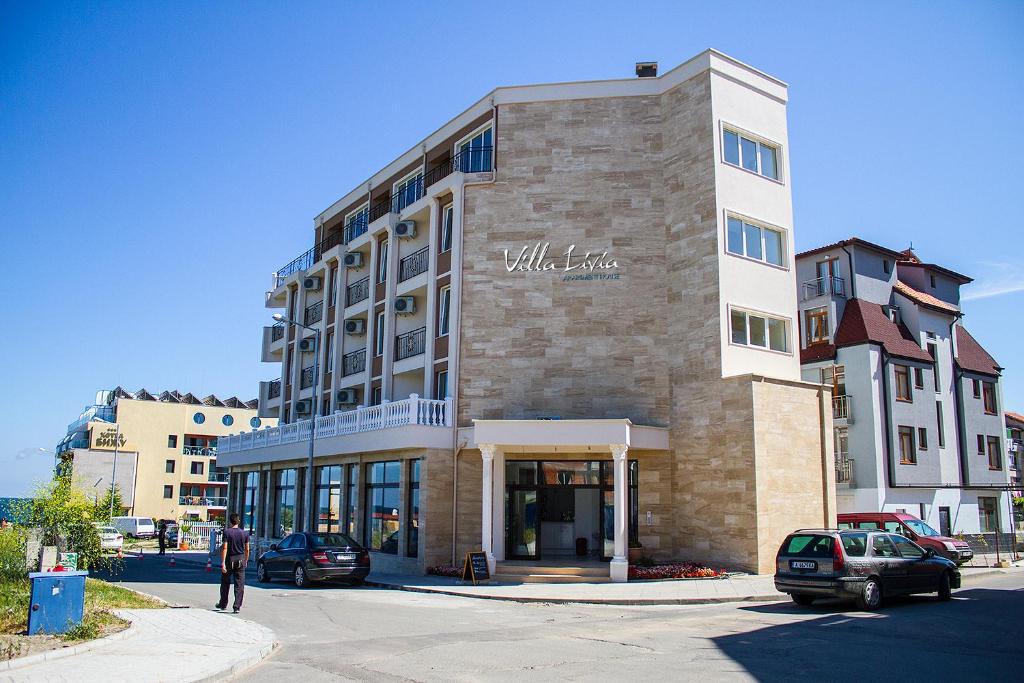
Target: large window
x=903, y=392
x=745, y=151
x=444, y=311
x=933, y=351
x=328, y=498
x=414, y=508
x=382, y=261
x=250, y=502
x=816, y=322
x=382, y=501
x=918, y=378
x=908, y=455
x=407, y=191
x=755, y=329
x=754, y=241
x=447, y=218
x=284, y=502
x=938, y=417
x=988, y=393
x=995, y=458
x=441, y=385
x=351, y=498
x=378, y=335
x=987, y=514
x=475, y=153
x=329, y=353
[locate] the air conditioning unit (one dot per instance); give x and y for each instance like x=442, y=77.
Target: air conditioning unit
x=354, y=259
x=355, y=326
x=312, y=284
x=346, y=397
x=405, y=229
x=307, y=345
x=304, y=407
x=405, y=305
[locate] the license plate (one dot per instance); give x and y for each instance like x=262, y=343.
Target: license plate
x=802, y=564
x=344, y=557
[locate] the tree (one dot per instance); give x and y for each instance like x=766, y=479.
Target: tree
x=65, y=516
x=101, y=512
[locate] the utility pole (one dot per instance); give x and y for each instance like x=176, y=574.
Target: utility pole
x=113, y=474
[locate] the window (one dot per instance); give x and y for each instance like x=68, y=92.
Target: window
x=196, y=467
x=382, y=503
x=754, y=241
x=817, y=326
x=376, y=395
x=441, y=385
x=284, y=502
x=751, y=329
x=882, y=546
x=351, y=497
x=907, y=549
x=475, y=153
x=172, y=440
x=981, y=444
x=168, y=491
x=987, y=514
x=249, y=501
x=329, y=353
x=447, y=218
x=903, y=392
x=332, y=288
x=835, y=375
x=328, y=497
x=908, y=456
x=199, y=418
x=886, y=267
x=227, y=420
x=414, y=508
x=407, y=191
x=918, y=378
x=995, y=458
x=922, y=438
x=856, y=545
x=444, y=311
x=754, y=155
x=938, y=420
x=931, y=279
x=378, y=335
x=933, y=351
x=169, y=466
x=382, y=261
x=989, y=395
x=976, y=385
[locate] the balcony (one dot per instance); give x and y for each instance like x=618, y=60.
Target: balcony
x=413, y=264
x=274, y=389
x=306, y=259
x=353, y=363
x=842, y=408
x=277, y=332
x=476, y=160
x=844, y=471
x=204, y=501
x=356, y=226
x=306, y=378
x=218, y=476
x=200, y=451
x=272, y=346
x=314, y=313
x=410, y=344
x=357, y=291
x=822, y=286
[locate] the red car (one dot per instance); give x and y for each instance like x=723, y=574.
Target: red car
x=913, y=528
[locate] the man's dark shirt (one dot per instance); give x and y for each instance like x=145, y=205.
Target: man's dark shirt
x=236, y=539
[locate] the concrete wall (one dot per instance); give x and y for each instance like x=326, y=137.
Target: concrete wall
x=976, y=422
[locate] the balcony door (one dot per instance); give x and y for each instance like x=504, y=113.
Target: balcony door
x=475, y=153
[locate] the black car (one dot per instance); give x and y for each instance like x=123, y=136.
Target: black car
x=305, y=557
x=860, y=564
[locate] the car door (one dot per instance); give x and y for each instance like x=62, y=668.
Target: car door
x=276, y=558
x=890, y=566
x=297, y=553
x=922, y=576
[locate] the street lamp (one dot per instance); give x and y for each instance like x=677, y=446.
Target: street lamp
x=310, y=514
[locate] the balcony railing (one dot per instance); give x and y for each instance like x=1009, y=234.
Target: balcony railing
x=408, y=194
x=830, y=284
x=306, y=378
x=410, y=344
x=356, y=226
x=842, y=408
x=274, y=390
x=314, y=313
x=413, y=264
x=357, y=291
x=199, y=451
x=844, y=470
x=306, y=259
x=204, y=501
x=277, y=332
x=411, y=411
x=353, y=363
x=381, y=208
x=218, y=476
x=471, y=161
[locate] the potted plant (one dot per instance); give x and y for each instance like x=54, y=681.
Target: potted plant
x=636, y=551
x=183, y=530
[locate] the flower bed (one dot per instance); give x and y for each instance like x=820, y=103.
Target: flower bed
x=675, y=570
x=445, y=570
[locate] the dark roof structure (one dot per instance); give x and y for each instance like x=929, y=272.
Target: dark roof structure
x=853, y=241
x=865, y=322
x=972, y=357
x=175, y=396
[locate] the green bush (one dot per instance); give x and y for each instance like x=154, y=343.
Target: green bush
x=65, y=516
x=12, y=554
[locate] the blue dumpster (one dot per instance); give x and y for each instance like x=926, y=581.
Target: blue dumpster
x=58, y=601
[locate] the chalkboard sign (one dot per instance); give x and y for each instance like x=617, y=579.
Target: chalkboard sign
x=475, y=567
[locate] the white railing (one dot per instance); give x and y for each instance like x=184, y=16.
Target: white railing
x=411, y=411
x=844, y=470
x=829, y=285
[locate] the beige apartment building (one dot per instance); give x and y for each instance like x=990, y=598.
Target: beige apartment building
x=559, y=329
x=165, y=446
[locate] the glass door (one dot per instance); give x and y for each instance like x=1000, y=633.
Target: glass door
x=475, y=153
x=522, y=524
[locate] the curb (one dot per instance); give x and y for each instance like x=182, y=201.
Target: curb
x=63, y=652
x=248, y=660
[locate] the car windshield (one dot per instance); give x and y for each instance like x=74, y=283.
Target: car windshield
x=332, y=540
x=808, y=545
x=920, y=528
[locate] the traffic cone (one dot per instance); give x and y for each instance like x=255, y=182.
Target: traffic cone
x=208, y=566
x=171, y=563
x=120, y=553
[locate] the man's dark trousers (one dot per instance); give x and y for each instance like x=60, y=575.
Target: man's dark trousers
x=236, y=572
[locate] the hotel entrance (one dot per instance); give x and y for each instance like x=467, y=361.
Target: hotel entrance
x=563, y=509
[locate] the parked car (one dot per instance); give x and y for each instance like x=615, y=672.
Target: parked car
x=913, y=528
x=110, y=538
x=134, y=527
x=862, y=564
x=305, y=557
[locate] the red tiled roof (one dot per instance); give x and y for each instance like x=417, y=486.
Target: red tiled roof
x=865, y=322
x=925, y=299
x=972, y=357
x=817, y=353
x=1016, y=418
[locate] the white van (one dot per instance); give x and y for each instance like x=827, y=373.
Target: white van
x=135, y=527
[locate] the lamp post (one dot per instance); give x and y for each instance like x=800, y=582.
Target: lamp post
x=310, y=514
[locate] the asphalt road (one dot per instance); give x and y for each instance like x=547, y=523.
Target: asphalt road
x=336, y=633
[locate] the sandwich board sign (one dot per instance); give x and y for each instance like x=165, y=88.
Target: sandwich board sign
x=475, y=567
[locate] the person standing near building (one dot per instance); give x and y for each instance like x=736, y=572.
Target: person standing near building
x=163, y=536
x=234, y=555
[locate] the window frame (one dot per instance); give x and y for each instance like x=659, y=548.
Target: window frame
x=918, y=378
x=364, y=207
x=976, y=387
x=480, y=130
x=437, y=384
x=760, y=141
x=747, y=312
x=447, y=227
x=902, y=371
x=994, y=451
x=908, y=432
x=444, y=311
x=382, y=261
x=922, y=438
x=172, y=440
x=762, y=226
x=370, y=487
x=412, y=545
x=814, y=313
x=379, y=325
x=169, y=491
x=940, y=424
x=331, y=489
x=988, y=393
x=169, y=466
x=404, y=183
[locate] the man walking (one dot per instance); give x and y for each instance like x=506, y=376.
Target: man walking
x=234, y=555
x=163, y=536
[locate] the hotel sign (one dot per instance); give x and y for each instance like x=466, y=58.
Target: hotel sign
x=104, y=437
x=572, y=264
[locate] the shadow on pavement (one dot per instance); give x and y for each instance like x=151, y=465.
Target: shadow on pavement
x=913, y=638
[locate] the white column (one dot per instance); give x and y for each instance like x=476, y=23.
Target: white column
x=498, y=506
x=487, y=452
x=619, y=568
x=371, y=324
x=428, y=351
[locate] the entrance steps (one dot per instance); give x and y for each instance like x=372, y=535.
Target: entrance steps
x=519, y=572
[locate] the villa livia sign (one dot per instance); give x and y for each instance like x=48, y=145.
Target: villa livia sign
x=571, y=263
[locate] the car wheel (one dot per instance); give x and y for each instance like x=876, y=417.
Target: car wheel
x=802, y=600
x=300, y=576
x=261, y=573
x=870, y=596
x=945, y=587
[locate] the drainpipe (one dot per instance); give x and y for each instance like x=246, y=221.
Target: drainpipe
x=853, y=277
x=886, y=424
x=958, y=407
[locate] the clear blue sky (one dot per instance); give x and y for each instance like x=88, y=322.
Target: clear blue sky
x=159, y=160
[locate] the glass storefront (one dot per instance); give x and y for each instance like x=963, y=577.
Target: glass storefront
x=382, y=503
x=250, y=502
x=328, y=497
x=284, y=502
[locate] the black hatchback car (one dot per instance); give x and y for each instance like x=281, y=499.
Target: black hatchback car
x=305, y=557
x=860, y=564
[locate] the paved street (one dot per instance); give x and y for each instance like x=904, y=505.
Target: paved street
x=339, y=633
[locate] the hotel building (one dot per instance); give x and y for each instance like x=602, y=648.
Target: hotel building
x=166, y=450
x=917, y=402
x=558, y=328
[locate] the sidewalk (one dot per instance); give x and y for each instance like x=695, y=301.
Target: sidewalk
x=161, y=645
